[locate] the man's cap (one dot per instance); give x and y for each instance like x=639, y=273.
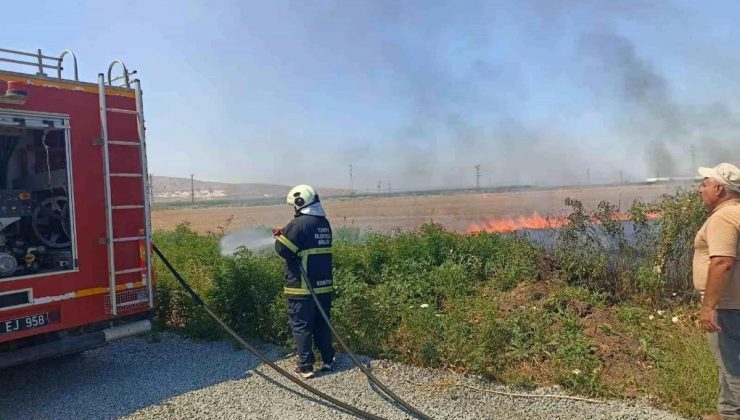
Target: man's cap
x=726, y=174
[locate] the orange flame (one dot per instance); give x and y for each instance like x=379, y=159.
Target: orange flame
x=534, y=222
x=509, y=224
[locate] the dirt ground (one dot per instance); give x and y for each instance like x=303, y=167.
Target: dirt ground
x=456, y=212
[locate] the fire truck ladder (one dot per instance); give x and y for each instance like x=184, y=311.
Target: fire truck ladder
x=110, y=209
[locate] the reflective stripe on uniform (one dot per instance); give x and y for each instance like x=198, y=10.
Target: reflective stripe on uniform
x=285, y=241
x=314, y=251
x=304, y=254
x=306, y=292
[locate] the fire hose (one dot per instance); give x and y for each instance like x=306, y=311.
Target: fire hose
x=354, y=410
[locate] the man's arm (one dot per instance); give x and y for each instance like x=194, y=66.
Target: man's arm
x=287, y=243
x=720, y=272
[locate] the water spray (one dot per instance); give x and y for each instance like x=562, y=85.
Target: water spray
x=254, y=239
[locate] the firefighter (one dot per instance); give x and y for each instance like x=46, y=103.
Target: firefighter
x=306, y=240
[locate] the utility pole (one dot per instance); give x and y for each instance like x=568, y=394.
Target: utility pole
x=477, y=177
x=151, y=188
x=389, y=187
x=192, y=190
x=588, y=176
x=351, y=179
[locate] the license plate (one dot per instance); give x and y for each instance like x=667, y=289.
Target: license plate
x=28, y=322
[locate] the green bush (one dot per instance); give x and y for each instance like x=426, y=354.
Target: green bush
x=529, y=338
x=576, y=366
x=419, y=336
x=197, y=259
x=593, y=250
x=473, y=336
x=244, y=292
x=364, y=321
x=505, y=260
x=585, y=247
x=681, y=216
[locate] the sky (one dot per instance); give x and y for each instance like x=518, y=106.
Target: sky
x=413, y=93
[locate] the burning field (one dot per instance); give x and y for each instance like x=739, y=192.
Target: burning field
x=512, y=224
x=500, y=212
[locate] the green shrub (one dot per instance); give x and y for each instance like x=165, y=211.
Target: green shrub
x=197, y=259
x=576, y=366
x=473, y=337
x=681, y=216
x=631, y=315
x=419, y=336
x=244, y=291
x=504, y=260
x=364, y=321
x=529, y=338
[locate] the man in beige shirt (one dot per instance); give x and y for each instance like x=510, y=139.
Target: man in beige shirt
x=717, y=278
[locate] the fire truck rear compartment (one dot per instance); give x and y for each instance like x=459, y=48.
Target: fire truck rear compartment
x=36, y=235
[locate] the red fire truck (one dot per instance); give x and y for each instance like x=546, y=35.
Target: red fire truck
x=75, y=232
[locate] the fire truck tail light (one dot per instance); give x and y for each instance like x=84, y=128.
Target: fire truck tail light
x=16, y=93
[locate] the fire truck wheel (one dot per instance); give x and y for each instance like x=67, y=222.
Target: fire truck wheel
x=47, y=222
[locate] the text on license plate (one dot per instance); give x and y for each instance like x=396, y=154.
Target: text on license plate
x=28, y=322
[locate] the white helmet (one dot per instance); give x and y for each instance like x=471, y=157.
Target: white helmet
x=301, y=196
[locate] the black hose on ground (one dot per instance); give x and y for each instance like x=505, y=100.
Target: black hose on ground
x=362, y=367
x=354, y=410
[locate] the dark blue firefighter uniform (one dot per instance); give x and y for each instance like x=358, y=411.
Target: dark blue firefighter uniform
x=307, y=240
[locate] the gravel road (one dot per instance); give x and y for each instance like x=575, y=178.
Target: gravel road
x=174, y=378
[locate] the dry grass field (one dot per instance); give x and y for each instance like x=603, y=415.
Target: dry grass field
x=455, y=211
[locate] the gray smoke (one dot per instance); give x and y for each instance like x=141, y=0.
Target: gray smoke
x=649, y=119
x=462, y=93
x=440, y=142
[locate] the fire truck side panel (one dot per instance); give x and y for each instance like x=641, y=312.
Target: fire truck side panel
x=81, y=296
